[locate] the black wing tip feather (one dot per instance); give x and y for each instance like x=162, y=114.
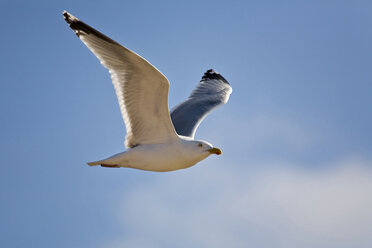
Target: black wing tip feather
x=74, y=23
x=212, y=74
x=80, y=27
x=68, y=17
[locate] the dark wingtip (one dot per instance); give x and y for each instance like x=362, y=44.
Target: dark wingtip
x=72, y=21
x=212, y=74
x=81, y=28
x=68, y=17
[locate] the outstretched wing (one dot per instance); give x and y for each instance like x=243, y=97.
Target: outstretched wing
x=212, y=91
x=142, y=90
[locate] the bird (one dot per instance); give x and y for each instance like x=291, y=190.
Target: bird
x=156, y=139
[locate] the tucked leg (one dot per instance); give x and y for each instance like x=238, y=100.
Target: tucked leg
x=110, y=166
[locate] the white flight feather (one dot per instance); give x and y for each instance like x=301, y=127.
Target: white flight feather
x=142, y=92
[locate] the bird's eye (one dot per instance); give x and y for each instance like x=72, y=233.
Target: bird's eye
x=200, y=145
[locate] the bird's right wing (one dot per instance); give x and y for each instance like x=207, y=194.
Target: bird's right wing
x=141, y=89
x=212, y=91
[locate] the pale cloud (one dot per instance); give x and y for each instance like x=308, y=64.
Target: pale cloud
x=278, y=206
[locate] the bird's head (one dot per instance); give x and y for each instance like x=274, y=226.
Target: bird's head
x=205, y=147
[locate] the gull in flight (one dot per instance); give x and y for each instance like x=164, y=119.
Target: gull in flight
x=155, y=140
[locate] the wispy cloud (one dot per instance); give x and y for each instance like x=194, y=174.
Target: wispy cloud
x=278, y=206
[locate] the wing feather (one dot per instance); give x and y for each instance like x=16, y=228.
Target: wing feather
x=141, y=89
x=212, y=91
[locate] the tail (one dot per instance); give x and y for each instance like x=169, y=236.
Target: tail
x=103, y=165
x=112, y=161
x=95, y=163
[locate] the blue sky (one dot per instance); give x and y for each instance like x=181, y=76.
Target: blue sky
x=297, y=164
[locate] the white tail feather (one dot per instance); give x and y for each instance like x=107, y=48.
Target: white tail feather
x=95, y=163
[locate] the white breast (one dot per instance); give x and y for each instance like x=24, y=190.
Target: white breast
x=162, y=157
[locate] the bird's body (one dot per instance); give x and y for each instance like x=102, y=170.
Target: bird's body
x=180, y=154
x=156, y=140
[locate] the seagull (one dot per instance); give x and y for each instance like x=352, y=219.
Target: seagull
x=155, y=140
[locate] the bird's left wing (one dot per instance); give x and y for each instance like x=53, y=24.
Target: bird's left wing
x=212, y=91
x=142, y=90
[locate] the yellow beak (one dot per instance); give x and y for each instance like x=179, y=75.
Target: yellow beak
x=215, y=150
